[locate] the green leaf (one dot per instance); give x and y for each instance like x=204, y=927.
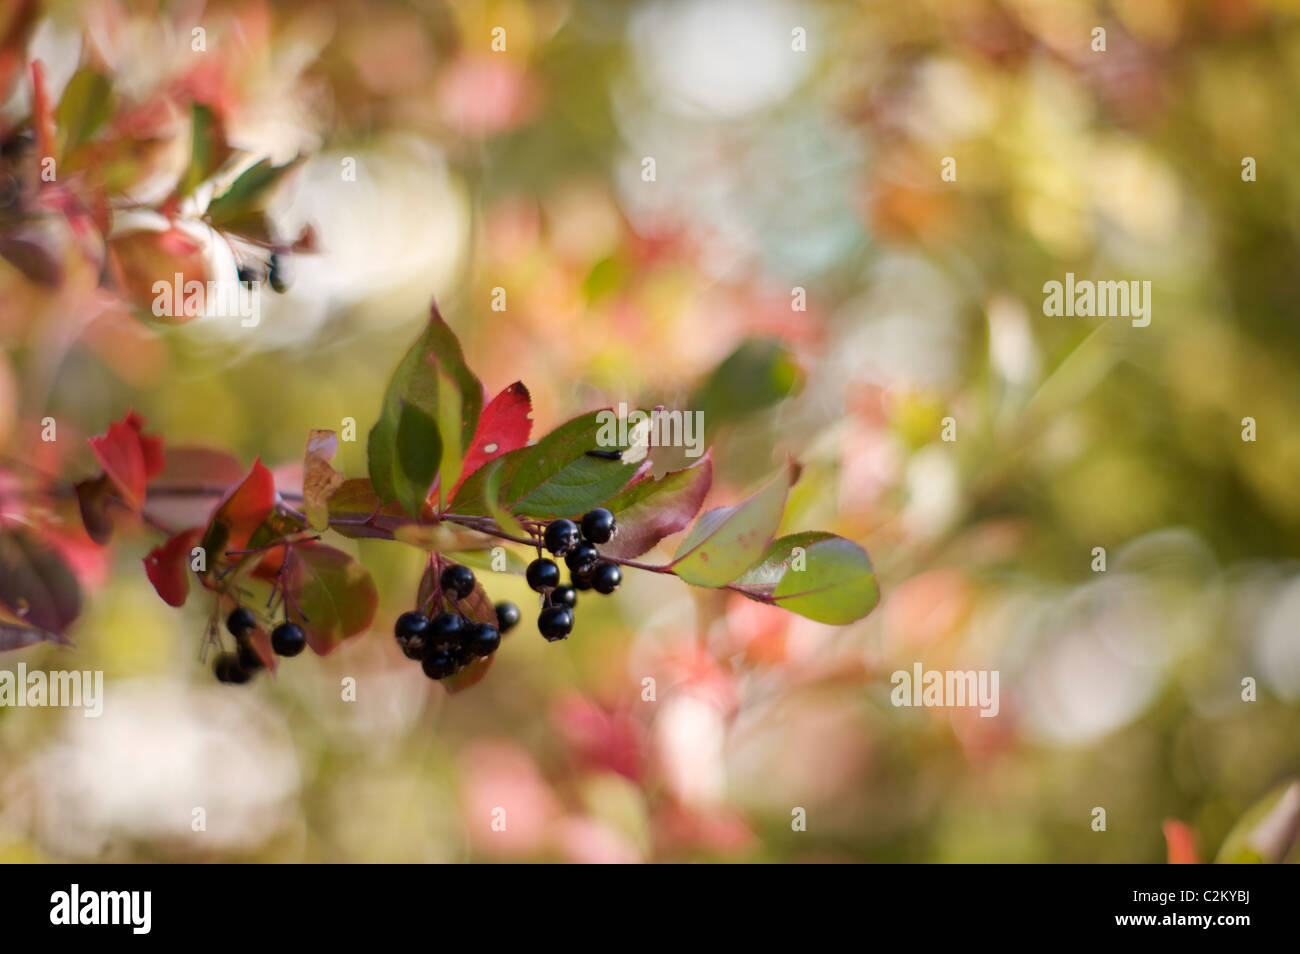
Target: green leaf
x=419, y=390
x=208, y=148
x=333, y=595
x=471, y=498
x=86, y=104
x=240, y=205
x=649, y=510
x=818, y=575
x=757, y=375
x=556, y=478
x=353, y=502
x=576, y=488
x=417, y=452
x=449, y=418
x=492, y=494
x=725, y=542
x=1267, y=832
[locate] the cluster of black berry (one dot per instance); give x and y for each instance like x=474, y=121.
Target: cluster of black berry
x=287, y=639
x=276, y=273
x=587, y=571
x=449, y=642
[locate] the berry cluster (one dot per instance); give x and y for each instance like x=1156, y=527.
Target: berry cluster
x=448, y=642
x=287, y=639
x=587, y=571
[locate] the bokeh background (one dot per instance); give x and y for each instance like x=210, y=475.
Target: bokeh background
x=776, y=169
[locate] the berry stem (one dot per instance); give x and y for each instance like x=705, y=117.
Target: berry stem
x=637, y=565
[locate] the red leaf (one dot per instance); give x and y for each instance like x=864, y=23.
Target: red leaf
x=650, y=509
x=167, y=566
x=119, y=453
x=1181, y=840
x=42, y=112
x=240, y=513
x=129, y=458
x=503, y=426
x=151, y=446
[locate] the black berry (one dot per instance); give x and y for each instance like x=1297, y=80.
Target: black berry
x=277, y=274
x=482, y=639
x=288, y=639
x=581, y=579
x=564, y=596
x=228, y=669
x=560, y=536
x=440, y=663
x=598, y=525
x=239, y=621
x=446, y=629
x=412, y=632
x=507, y=617
x=555, y=622
x=582, y=557
x=249, y=274
x=606, y=577
x=457, y=580
x=542, y=574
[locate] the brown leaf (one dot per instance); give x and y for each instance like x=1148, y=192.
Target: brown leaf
x=319, y=479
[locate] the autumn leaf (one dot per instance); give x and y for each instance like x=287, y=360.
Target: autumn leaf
x=36, y=584
x=240, y=513
x=650, y=509
x=319, y=479
x=130, y=458
x=330, y=595
x=167, y=566
x=503, y=426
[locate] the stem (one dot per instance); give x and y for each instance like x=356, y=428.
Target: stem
x=484, y=525
x=637, y=565
x=489, y=527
